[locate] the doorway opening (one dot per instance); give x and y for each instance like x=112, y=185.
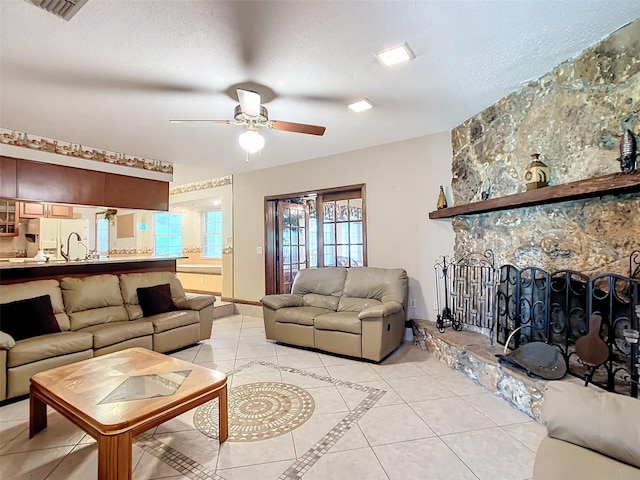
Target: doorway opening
x=319, y=228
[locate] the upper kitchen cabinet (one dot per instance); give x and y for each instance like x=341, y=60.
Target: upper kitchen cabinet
x=8, y=218
x=45, y=210
x=132, y=192
x=8, y=175
x=60, y=184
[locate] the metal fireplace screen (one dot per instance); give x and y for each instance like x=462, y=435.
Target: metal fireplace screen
x=468, y=292
x=555, y=308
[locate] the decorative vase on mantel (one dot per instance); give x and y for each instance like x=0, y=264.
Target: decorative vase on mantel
x=442, y=200
x=537, y=174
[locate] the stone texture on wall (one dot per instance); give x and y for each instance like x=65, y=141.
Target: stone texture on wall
x=574, y=117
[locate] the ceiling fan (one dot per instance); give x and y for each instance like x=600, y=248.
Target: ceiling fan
x=252, y=114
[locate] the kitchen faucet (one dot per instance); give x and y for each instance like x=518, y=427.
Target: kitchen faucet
x=66, y=255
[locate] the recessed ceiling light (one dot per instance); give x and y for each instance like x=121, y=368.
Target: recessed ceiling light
x=361, y=105
x=395, y=55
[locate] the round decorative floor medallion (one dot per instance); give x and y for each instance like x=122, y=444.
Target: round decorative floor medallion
x=258, y=411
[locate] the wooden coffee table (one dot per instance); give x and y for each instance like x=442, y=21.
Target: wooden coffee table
x=117, y=396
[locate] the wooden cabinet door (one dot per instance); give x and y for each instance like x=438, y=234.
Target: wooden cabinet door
x=60, y=211
x=8, y=169
x=32, y=210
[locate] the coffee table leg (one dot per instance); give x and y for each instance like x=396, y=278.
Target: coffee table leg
x=114, y=456
x=223, y=420
x=37, y=414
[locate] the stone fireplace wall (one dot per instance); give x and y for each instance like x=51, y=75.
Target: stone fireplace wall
x=574, y=117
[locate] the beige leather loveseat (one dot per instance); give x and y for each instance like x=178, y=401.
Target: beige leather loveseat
x=357, y=311
x=591, y=435
x=98, y=314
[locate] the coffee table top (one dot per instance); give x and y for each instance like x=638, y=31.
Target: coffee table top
x=120, y=389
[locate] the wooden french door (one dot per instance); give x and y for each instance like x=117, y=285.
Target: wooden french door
x=293, y=242
x=339, y=227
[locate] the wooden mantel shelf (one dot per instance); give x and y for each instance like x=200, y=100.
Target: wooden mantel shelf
x=615, y=183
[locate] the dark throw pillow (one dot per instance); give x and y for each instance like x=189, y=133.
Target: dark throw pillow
x=155, y=300
x=28, y=318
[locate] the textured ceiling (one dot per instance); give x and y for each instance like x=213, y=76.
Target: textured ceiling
x=115, y=74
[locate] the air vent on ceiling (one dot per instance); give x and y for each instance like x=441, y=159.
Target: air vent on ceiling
x=60, y=8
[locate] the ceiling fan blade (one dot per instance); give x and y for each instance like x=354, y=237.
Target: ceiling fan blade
x=297, y=127
x=209, y=121
x=250, y=102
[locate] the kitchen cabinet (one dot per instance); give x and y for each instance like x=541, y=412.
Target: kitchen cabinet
x=9, y=218
x=45, y=210
x=8, y=175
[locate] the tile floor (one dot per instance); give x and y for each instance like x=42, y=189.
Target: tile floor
x=432, y=423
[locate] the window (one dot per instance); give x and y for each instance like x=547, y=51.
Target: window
x=102, y=235
x=168, y=233
x=212, y=234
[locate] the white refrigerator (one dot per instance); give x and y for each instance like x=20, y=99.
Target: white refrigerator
x=52, y=233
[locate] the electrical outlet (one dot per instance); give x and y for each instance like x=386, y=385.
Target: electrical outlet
x=412, y=303
x=259, y=250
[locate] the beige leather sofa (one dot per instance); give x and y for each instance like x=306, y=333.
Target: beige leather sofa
x=98, y=314
x=591, y=435
x=359, y=312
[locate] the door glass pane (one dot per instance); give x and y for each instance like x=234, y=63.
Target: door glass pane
x=329, y=211
x=285, y=216
x=355, y=209
x=356, y=232
x=286, y=236
x=286, y=255
x=342, y=230
x=294, y=254
x=329, y=233
x=342, y=210
x=356, y=255
x=302, y=235
x=302, y=254
x=329, y=256
x=294, y=218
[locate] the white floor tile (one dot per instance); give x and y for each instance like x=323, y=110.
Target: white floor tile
x=263, y=471
x=238, y=454
x=451, y=415
x=459, y=383
x=29, y=465
x=501, y=457
x=415, y=389
x=530, y=433
x=327, y=400
x=356, y=373
x=396, y=423
x=359, y=464
x=497, y=409
x=428, y=458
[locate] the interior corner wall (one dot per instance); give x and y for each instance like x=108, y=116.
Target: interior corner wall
x=402, y=184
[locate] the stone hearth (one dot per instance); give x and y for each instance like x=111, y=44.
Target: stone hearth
x=472, y=354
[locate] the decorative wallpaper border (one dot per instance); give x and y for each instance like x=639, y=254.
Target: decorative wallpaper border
x=194, y=186
x=69, y=149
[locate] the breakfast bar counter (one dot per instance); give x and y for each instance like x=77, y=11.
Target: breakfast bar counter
x=22, y=270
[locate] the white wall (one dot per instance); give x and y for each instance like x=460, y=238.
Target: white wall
x=402, y=184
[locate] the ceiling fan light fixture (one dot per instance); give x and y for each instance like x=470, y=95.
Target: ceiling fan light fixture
x=361, y=105
x=395, y=55
x=251, y=141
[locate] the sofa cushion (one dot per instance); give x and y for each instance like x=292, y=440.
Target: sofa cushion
x=321, y=301
x=170, y=320
x=47, y=346
x=93, y=300
x=130, y=282
x=299, y=315
x=29, y=317
x=347, y=322
x=36, y=288
x=556, y=459
x=593, y=419
x=352, y=304
x=383, y=284
x=156, y=299
x=323, y=281
x=116, y=332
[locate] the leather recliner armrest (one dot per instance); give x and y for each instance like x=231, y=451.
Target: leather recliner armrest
x=377, y=311
x=6, y=341
x=195, y=303
x=275, y=302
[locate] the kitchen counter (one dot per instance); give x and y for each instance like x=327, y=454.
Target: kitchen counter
x=25, y=269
